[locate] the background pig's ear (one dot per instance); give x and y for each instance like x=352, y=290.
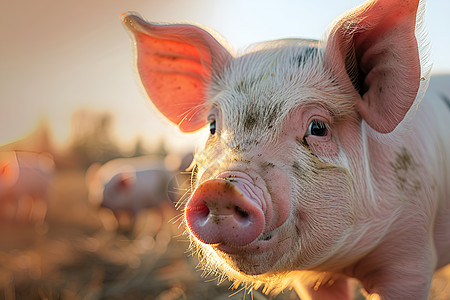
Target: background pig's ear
x=375, y=45
x=126, y=181
x=175, y=64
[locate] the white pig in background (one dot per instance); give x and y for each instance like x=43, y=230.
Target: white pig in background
x=127, y=186
x=322, y=163
x=25, y=182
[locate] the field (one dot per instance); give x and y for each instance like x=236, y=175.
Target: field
x=74, y=256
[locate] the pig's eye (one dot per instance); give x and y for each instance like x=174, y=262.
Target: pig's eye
x=212, y=127
x=317, y=128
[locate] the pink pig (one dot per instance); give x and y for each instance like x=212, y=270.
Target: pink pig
x=321, y=166
x=127, y=186
x=25, y=183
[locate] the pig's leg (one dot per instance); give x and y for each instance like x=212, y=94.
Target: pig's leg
x=125, y=220
x=39, y=210
x=108, y=219
x=400, y=282
x=390, y=276
x=24, y=208
x=339, y=289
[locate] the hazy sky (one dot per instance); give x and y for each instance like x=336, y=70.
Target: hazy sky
x=59, y=56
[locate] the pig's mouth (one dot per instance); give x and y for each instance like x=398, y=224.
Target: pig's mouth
x=261, y=244
x=258, y=245
x=258, y=257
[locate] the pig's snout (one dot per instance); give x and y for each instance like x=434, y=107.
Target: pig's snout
x=220, y=213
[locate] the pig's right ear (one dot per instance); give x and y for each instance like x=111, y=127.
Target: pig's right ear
x=175, y=64
x=374, y=45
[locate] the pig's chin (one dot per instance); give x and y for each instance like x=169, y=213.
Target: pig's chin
x=261, y=256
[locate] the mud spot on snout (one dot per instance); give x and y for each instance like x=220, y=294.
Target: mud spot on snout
x=228, y=185
x=216, y=219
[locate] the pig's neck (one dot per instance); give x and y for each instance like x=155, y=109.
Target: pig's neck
x=397, y=202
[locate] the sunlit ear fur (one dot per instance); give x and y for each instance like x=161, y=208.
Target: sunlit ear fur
x=381, y=48
x=176, y=63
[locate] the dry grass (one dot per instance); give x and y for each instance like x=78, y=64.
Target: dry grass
x=73, y=256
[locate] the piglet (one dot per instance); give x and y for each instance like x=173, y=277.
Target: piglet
x=321, y=165
x=127, y=186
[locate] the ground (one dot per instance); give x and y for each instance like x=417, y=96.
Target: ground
x=73, y=256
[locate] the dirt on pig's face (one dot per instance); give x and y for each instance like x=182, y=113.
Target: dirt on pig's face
x=274, y=141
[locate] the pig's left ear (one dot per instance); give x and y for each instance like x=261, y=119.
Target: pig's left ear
x=175, y=64
x=376, y=47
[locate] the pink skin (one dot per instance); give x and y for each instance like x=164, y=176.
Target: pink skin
x=274, y=202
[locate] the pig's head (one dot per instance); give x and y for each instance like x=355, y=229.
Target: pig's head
x=279, y=184
x=117, y=191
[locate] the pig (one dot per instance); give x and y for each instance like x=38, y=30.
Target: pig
x=323, y=166
x=127, y=186
x=25, y=183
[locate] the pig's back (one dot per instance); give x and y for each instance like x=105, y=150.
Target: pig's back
x=436, y=124
x=151, y=187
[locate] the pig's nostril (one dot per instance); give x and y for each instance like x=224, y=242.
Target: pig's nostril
x=201, y=210
x=241, y=213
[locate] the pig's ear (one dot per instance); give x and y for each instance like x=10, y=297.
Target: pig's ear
x=375, y=45
x=126, y=181
x=175, y=64
x=9, y=167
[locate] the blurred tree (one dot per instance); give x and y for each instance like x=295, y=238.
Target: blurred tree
x=92, y=137
x=161, y=149
x=139, y=148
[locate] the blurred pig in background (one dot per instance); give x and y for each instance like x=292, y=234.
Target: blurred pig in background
x=125, y=187
x=25, y=180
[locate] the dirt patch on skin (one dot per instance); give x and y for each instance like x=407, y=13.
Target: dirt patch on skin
x=405, y=168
